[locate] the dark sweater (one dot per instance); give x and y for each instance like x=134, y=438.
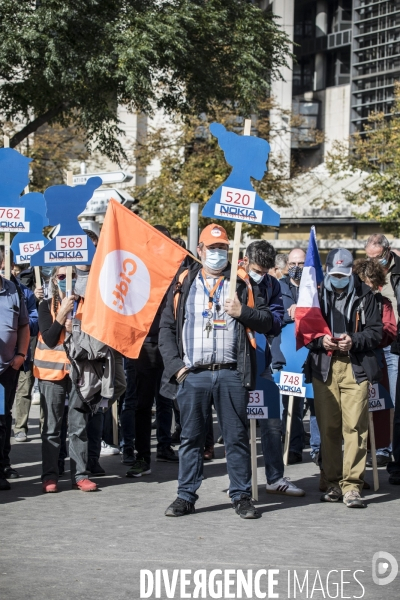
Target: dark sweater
x=50, y=330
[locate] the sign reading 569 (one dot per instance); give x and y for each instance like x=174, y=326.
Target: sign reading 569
x=71, y=242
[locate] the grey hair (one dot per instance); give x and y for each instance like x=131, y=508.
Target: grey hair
x=378, y=239
x=281, y=260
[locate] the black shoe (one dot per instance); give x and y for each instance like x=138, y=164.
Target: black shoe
x=294, y=458
x=180, y=508
x=154, y=424
x=315, y=458
x=333, y=494
x=10, y=473
x=167, y=455
x=381, y=460
x=61, y=468
x=94, y=467
x=245, y=508
x=394, y=478
x=176, y=437
x=220, y=440
x=4, y=485
x=128, y=456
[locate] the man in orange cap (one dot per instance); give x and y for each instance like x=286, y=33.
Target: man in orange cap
x=208, y=359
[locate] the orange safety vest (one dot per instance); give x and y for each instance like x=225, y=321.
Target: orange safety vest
x=51, y=364
x=250, y=297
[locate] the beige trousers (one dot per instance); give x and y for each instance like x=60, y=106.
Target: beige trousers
x=341, y=408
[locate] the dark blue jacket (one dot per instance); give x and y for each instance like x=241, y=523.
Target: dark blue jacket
x=30, y=302
x=271, y=291
x=290, y=295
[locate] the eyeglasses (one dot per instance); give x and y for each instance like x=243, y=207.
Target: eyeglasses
x=296, y=264
x=62, y=277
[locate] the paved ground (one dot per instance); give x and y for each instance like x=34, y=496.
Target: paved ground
x=93, y=546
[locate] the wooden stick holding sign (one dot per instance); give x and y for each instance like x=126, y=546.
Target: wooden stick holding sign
x=69, y=267
x=288, y=430
x=38, y=280
x=232, y=291
x=7, y=236
x=373, y=450
x=253, y=449
x=237, y=200
x=238, y=236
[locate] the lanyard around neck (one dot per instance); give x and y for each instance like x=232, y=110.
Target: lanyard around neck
x=211, y=292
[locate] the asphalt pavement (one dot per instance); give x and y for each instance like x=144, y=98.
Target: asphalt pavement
x=95, y=545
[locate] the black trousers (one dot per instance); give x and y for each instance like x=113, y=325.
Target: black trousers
x=148, y=371
x=8, y=379
x=394, y=467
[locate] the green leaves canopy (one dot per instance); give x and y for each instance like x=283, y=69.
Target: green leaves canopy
x=76, y=61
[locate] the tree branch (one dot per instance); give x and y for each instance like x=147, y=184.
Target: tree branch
x=35, y=124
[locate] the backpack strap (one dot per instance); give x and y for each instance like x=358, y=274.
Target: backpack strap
x=178, y=289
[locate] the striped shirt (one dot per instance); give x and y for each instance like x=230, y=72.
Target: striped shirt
x=220, y=346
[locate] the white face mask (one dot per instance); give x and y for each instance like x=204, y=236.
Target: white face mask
x=216, y=259
x=256, y=276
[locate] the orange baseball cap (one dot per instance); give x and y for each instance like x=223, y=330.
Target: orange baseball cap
x=213, y=234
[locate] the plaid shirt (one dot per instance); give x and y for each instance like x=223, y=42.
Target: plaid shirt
x=221, y=344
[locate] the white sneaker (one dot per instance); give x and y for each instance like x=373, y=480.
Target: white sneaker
x=284, y=486
x=107, y=450
x=36, y=398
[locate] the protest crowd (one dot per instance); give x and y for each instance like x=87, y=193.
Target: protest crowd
x=198, y=355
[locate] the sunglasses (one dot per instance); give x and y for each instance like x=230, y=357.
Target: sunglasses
x=62, y=277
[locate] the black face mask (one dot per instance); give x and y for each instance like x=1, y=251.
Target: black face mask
x=295, y=273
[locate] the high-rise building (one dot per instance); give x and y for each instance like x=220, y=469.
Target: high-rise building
x=347, y=58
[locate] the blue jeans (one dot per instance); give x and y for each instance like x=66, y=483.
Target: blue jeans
x=128, y=406
x=315, y=437
x=195, y=395
x=271, y=442
x=297, y=434
x=392, y=363
x=164, y=420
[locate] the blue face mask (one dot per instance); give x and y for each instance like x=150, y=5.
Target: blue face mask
x=46, y=271
x=339, y=282
x=216, y=259
x=383, y=261
x=256, y=276
x=63, y=285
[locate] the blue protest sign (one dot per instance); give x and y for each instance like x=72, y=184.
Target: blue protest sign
x=264, y=384
x=24, y=245
x=379, y=398
x=295, y=359
x=14, y=177
x=236, y=199
x=71, y=246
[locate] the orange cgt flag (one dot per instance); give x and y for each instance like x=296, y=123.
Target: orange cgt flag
x=132, y=269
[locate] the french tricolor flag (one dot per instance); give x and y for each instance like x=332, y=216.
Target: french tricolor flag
x=310, y=323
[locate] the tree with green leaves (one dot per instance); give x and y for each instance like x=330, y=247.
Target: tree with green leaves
x=77, y=61
x=376, y=152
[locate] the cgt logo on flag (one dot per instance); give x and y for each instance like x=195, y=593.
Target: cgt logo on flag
x=132, y=269
x=122, y=274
